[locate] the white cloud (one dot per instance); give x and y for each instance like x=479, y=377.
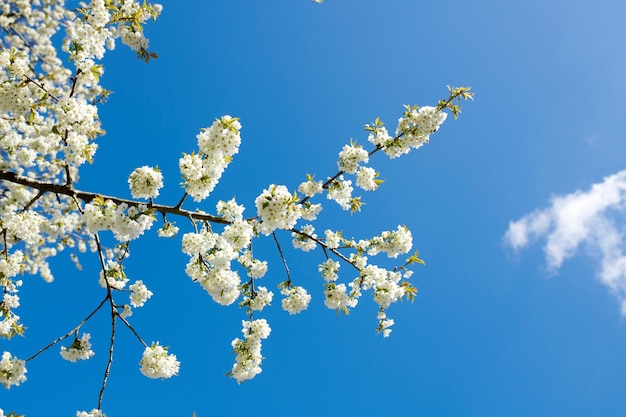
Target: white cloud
x=594, y=219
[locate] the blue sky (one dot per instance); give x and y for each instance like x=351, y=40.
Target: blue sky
x=496, y=330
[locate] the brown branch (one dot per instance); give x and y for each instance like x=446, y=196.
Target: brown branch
x=89, y=196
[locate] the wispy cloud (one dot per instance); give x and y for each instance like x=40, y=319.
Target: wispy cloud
x=594, y=219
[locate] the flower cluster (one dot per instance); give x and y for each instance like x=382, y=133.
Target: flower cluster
x=145, y=182
x=337, y=298
x=414, y=129
x=168, y=230
x=383, y=283
x=262, y=298
x=211, y=258
x=80, y=349
x=126, y=222
x=329, y=269
x=393, y=243
x=217, y=144
x=248, y=360
x=341, y=192
x=305, y=239
x=277, y=208
x=384, y=324
x=296, y=299
x=157, y=363
x=139, y=294
x=12, y=370
x=113, y=276
x=350, y=157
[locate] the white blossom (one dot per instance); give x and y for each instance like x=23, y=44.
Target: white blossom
x=305, y=240
x=168, y=230
x=80, y=349
x=384, y=323
x=296, y=299
x=309, y=188
x=248, y=360
x=139, y=294
x=350, y=157
x=262, y=298
x=113, y=276
x=12, y=370
x=329, y=269
x=157, y=363
x=277, y=209
x=337, y=298
x=366, y=179
x=145, y=182
x=341, y=191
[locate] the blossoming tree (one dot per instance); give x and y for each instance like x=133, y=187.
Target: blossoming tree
x=49, y=128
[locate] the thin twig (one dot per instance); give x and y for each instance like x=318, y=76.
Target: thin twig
x=280, y=251
x=68, y=334
x=110, y=359
x=132, y=329
x=31, y=202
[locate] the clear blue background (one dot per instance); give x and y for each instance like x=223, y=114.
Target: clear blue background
x=489, y=334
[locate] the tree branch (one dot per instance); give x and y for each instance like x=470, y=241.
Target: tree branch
x=89, y=196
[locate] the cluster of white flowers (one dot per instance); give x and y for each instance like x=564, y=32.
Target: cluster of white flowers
x=414, y=129
x=10, y=266
x=127, y=311
x=310, y=187
x=12, y=370
x=167, y=230
x=145, y=182
x=305, y=240
x=329, y=269
x=341, y=192
x=230, y=210
x=262, y=299
x=277, y=208
x=93, y=413
x=211, y=258
x=24, y=226
x=296, y=299
x=383, y=283
x=80, y=349
x=332, y=239
x=248, y=360
x=393, y=243
x=254, y=267
x=350, y=157
x=217, y=144
x=379, y=136
x=366, y=179
x=139, y=294
x=157, y=363
x=126, y=222
x=113, y=276
x=337, y=298
x=310, y=211
x=384, y=323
